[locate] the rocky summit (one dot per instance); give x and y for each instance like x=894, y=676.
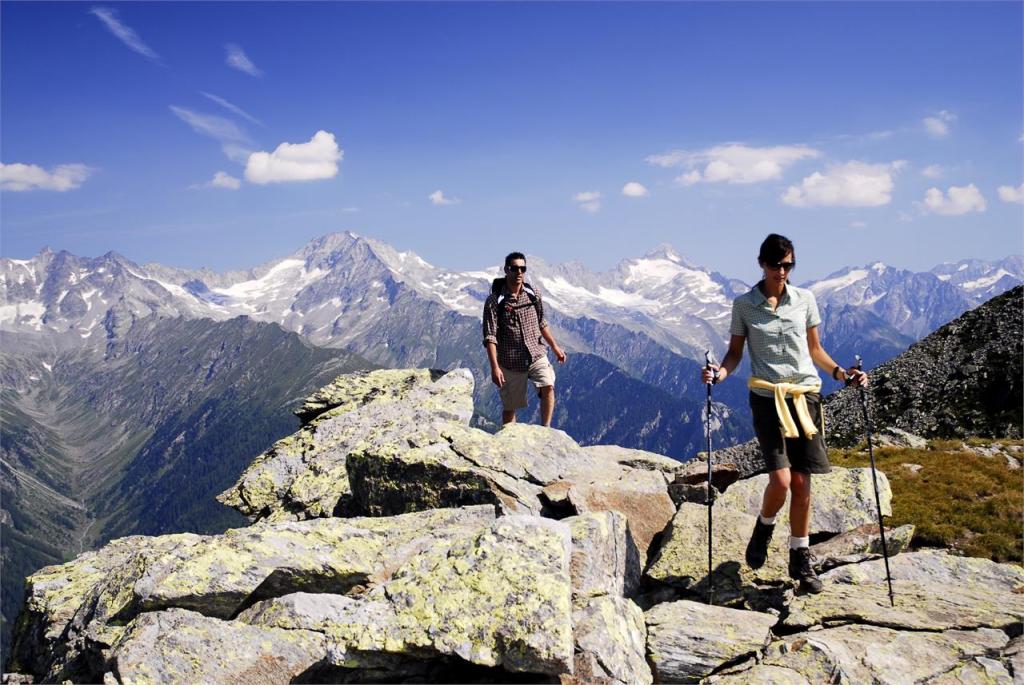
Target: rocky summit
x=392, y=542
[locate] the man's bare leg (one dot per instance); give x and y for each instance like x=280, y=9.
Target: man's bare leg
x=508, y=416
x=547, y=404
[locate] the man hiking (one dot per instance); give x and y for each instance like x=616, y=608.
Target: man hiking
x=779, y=324
x=514, y=334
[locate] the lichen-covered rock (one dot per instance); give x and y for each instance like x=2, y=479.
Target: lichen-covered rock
x=219, y=574
x=860, y=544
x=604, y=559
x=978, y=671
x=523, y=469
x=611, y=638
x=934, y=607
x=855, y=654
x=180, y=646
x=53, y=639
x=304, y=475
x=935, y=566
x=841, y=500
x=687, y=641
x=501, y=598
x=636, y=459
x=683, y=557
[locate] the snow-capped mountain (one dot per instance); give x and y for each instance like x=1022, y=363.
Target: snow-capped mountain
x=915, y=304
x=346, y=290
x=983, y=280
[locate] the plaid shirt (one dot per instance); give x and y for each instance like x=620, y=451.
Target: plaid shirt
x=777, y=340
x=515, y=326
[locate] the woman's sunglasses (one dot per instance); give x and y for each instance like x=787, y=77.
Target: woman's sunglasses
x=785, y=266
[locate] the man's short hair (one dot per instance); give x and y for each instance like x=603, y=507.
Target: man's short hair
x=512, y=256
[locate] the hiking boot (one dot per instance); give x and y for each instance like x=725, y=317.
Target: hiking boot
x=757, y=548
x=800, y=569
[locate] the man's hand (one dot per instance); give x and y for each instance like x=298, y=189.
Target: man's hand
x=497, y=376
x=559, y=354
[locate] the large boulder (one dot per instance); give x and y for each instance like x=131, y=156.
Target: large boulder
x=604, y=559
x=682, y=560
x=860, y=544
x=869, y=654
x=688, y=641
x=179, y=646
x=611, y=639
x=917, y=606
x=841, y=500
x=937, y=567
x=304, y=475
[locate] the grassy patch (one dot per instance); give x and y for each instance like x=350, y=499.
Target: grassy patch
x=959, y=499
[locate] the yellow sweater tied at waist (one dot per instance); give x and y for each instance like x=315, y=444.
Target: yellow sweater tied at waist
x=799, y=402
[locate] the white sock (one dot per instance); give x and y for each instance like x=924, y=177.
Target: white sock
x=767, y=520
x=797, y=543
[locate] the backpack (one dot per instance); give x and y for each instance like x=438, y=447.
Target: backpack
x=498, y=288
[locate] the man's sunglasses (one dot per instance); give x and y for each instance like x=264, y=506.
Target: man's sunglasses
x=785, y=266
x=514, y=269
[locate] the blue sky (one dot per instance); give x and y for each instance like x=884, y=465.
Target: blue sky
x=865, y=132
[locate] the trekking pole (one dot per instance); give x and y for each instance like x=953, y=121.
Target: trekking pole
x=874, y=478
x=711, y=580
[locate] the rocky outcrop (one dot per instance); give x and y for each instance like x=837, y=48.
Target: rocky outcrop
x=518, y=556
x=965, y=379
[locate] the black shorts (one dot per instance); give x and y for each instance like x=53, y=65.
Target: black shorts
x=799, y=454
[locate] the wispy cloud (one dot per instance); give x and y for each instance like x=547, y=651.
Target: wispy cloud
x=230, y=107
x=932, y=171
x=124, y=32
x=853, y=184
x=224, y=181
x=957, y=200
x=733, y=162
x=312, y=161
x=588, y=201
x=634, y=189
x=24, y=177
x=1011, y=194
x=233, y=140
x=237, y=59
x=938, y=126
x=438, y=198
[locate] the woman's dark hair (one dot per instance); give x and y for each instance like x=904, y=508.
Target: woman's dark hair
x=773, y=249
x=512, y=256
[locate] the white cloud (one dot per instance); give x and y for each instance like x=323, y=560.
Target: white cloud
x=224, y=180
x=932, y=171
x=1011, y=194
x=231, y=108
x=938, y=125
x=958, y=200
x=853, y=184
x=634, y=189
x=589, y=201
x=734, y=162
x=312, y=161
x=234, y=141
x=858, y=224
x=237, y=59
x=437, y=198
x=125, y=33
x=23, y=177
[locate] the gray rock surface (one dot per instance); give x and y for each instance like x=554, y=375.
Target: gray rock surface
x=842, y=499
x=611, y=639
x=687, y=641
x=179, y=646
x=860, y=544
x=938, y=567
x=604, y=559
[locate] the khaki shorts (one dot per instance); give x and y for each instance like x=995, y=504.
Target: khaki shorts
x=798, y=454
x=513, y=392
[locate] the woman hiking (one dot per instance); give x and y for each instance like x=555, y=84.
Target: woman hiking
x=779, y=324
